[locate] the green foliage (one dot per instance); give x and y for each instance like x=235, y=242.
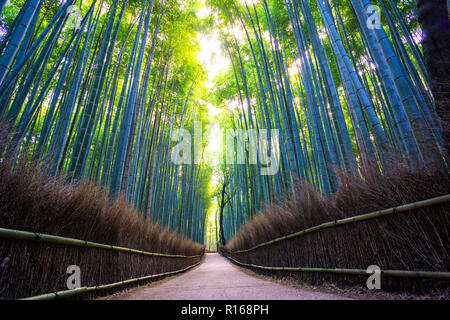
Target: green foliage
x=119, y=85
x=314, y=71
x=103, y=102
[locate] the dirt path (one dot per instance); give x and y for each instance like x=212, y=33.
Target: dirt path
x=217, y=279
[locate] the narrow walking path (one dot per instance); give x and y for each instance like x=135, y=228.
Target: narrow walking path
x=217, y=279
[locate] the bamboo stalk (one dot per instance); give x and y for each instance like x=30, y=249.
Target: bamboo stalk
x=391, y=273
x=363, y=217
x=25, y=235
x=59, y=294
x=72, y=292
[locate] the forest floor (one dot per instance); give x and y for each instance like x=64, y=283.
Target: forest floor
x=217, y=279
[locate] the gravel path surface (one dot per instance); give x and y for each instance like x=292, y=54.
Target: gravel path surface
x=217, y=279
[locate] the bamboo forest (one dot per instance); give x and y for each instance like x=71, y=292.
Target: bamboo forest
x=299, y=139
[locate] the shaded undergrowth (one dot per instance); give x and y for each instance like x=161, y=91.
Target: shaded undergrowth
x=414, y=240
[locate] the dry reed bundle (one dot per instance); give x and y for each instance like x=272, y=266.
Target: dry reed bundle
x=32, y=201
x=415, y=240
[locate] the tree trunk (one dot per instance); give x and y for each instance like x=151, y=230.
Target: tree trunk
x=223, y=241
x=433, y=18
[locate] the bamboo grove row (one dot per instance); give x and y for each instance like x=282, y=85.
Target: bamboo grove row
x=344, y=90
x=97, y=97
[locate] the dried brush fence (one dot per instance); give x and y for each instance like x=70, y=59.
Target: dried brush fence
x=413, y=239
x=36, y=203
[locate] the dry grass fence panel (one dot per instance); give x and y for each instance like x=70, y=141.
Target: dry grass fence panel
x=414, y=240
x=32, y=201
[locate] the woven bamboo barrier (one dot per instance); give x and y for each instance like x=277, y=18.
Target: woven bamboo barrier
x=363, y=217
x=391, y=273
x=77, y=291
x=34, y=236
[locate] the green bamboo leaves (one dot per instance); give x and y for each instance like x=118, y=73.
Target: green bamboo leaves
x=100, y=100
x=344, y=93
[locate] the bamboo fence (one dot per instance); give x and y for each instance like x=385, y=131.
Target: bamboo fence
x=331, y=224
x=392, y=273
x=73, y=292
x=363, y=217
x=34, y=236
